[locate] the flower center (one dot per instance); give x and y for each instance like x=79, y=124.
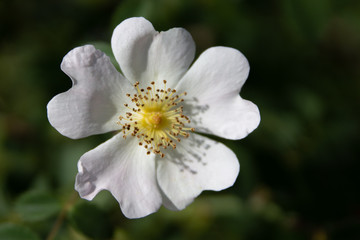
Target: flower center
x=155, y=118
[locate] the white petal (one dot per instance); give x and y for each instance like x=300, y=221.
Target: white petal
x=96, y=98
x=130, y=43
x=213, y=84
x=123, y=168
x=145, y=55
x=197, y=164
x=170, y=56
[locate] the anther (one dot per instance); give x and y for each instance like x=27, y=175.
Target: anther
x=156, y=120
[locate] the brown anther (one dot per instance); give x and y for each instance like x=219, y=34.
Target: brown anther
x=149, y=101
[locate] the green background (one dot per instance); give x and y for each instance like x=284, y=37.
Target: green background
x=299, y=169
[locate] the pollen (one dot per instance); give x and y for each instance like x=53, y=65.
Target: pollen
x=156, y=118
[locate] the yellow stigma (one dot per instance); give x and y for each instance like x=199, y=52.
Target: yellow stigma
x=155, y=118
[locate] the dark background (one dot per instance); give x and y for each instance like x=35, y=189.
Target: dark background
x=299, y=170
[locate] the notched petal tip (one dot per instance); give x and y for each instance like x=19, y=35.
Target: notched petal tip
x=134, y=24
x=126, y=172
x=216, y=78
x=236, y=62
x=84, y=56
x=198, y=164
x=254, y=118
x=130, y=42
x=90, y=105
x=84, y=183
x=248, y=115
x=131, y=29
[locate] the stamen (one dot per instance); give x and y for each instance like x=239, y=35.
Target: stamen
x=158, y=120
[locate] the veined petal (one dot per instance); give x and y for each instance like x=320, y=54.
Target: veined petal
x=197, y=164
x=146, y=55
x=130, y=43
x=124, y=169
x=213, y=84
x=95, y=100
x=170, y=56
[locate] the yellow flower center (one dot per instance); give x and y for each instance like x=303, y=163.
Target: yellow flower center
x=155, y=118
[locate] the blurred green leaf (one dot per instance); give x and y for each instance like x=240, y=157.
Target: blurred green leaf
x=308, y=104
x=4, y=205
x=305, y=19
x=224, y=205
x=92, y=221
x=36, y=206
x=9, y=231
x=159, y=12
x=65, y=162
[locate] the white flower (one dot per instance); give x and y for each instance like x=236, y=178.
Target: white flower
x=155, y=105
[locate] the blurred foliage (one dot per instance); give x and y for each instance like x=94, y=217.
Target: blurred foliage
x=16, y=232
x=299, y=170
x=36, y=206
